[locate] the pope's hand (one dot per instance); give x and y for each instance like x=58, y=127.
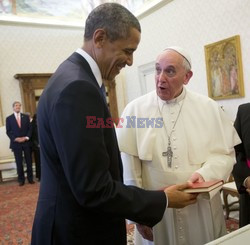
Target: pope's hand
x=177, y=198
x=196, y=177
x=145, y=231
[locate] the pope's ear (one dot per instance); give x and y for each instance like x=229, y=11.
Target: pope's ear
x=99, y=37
x=188, y=75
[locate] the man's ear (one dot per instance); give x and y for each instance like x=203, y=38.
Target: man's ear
x=188, y=75
x=99, y=37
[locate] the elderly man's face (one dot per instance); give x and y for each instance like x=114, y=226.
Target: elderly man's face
x=170, y=75
x=17, y=107
x=113, y=56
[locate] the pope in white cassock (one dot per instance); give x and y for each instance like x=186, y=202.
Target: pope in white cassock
x=194, y=142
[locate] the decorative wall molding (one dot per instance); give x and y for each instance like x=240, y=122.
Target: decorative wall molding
x=150, y=7
x=17, y=20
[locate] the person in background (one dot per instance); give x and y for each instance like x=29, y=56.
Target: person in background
x=82, y=197
x=18, y=129
x=36, y=146
x=194, y=141
x=241, y=171
x=29, y=115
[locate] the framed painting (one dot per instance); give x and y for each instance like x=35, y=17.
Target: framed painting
x=224, y=69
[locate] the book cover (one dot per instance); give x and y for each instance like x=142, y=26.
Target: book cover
x=206, y=186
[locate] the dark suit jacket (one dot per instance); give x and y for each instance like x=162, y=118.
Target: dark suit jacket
x=13, y=131
x=241, y=171
x=34, y=136
x=82, y=199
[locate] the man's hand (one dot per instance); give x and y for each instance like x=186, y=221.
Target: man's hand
x=145, y=231
x=248, y=184
x=196, y=177
x=20, y=139
x=179, y=199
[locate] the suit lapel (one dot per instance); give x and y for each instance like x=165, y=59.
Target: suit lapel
x=80, y=61
x=14, y=120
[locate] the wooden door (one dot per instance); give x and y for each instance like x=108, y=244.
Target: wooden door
x=31, y=86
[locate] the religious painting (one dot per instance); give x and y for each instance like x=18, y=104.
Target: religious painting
x=224, y=69
x=66, y=12
x=6, y=7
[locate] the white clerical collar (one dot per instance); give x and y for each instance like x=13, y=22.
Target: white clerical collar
x=94, y=67
x=176, y=100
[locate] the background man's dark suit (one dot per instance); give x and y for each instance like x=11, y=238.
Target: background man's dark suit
x=36, y=146
x=241, y=171
x=82, y=199
x=13, y=131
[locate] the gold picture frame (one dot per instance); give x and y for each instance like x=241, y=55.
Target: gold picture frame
x=224, y=69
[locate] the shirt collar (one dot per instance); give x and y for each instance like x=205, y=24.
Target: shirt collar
x=94, y=67
x=176, y=100
x=17, y=114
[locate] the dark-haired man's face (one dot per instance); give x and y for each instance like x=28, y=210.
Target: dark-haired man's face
x=113, y=56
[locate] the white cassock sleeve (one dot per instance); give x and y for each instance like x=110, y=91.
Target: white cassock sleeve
x=221, y=154
x=131, y=170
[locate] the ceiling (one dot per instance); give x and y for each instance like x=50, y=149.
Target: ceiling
x=71, y=13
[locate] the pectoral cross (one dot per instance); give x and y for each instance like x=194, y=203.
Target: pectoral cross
x=168, y=154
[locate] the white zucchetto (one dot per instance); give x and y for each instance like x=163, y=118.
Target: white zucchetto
x=182, y=52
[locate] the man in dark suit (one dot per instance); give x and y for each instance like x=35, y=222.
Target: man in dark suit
x=241, y=171
x=36, y=146
x=18, y=129
x=82, y=197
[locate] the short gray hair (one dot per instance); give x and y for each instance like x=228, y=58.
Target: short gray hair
x=15, y=102
x=186, y=64
x=115, y=19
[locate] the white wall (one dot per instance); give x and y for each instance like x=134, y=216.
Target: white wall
x=26, y=48
x=192, y=24
x=34, y=48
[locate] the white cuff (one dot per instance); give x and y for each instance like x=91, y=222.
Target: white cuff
x=245, y=182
